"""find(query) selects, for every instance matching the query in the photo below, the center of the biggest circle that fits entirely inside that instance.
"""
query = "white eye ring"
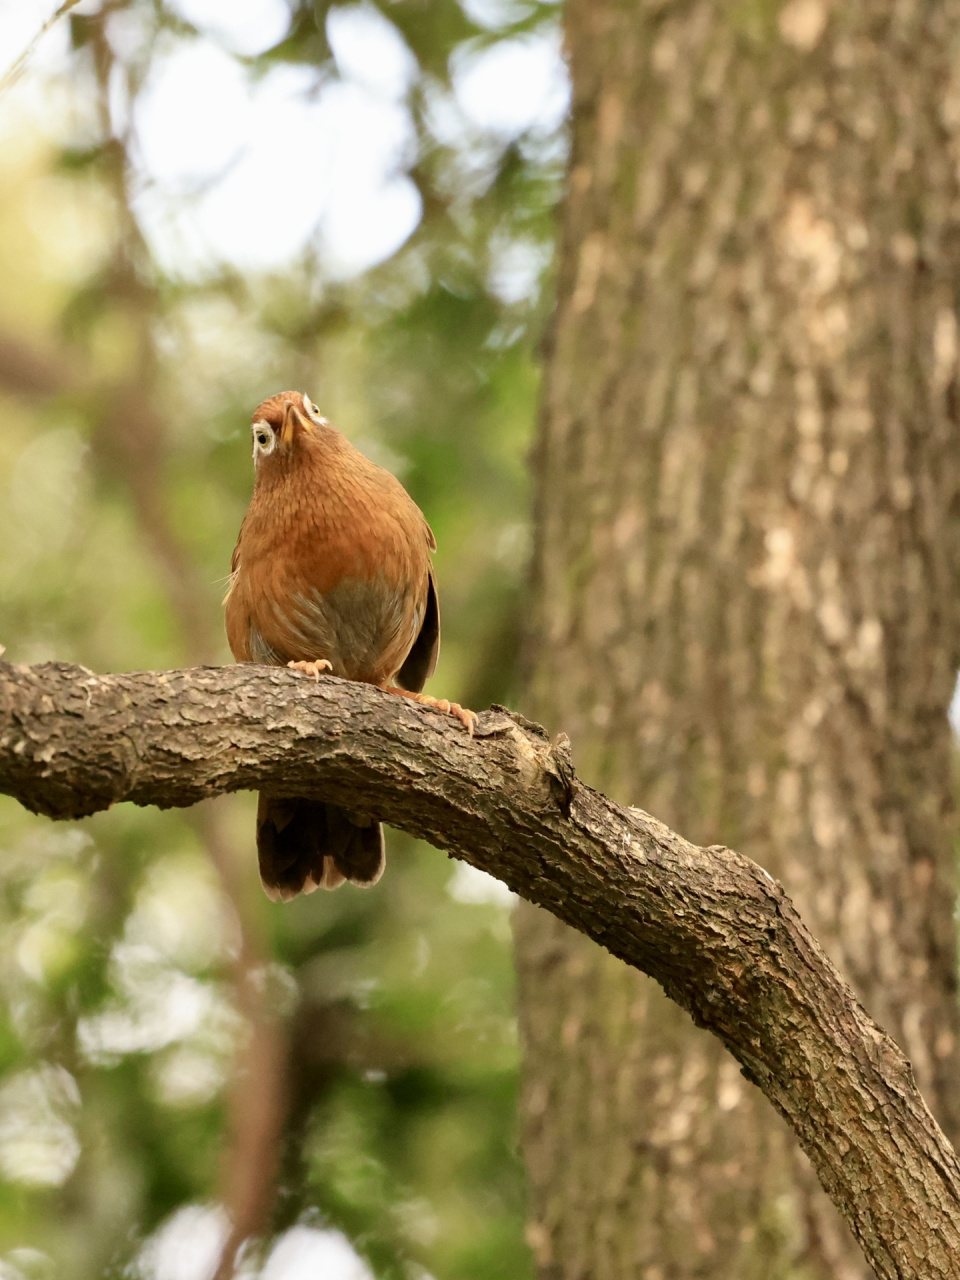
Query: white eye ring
(264, 439)
(313, 411)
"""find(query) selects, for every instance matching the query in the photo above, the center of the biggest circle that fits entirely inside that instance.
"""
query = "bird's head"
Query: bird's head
(280, 422)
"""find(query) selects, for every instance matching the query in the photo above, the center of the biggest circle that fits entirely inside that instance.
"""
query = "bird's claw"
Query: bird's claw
(466, 717)
(312, 668)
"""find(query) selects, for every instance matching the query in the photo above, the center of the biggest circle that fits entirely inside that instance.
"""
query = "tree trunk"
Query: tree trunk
(746, 571)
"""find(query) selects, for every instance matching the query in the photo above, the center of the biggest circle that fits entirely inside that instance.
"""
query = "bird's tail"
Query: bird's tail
(307, 844)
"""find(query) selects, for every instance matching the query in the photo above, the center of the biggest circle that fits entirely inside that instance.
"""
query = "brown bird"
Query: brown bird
(331, 572)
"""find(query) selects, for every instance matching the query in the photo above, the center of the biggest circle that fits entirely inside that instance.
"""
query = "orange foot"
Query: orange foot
(466, 717)
(312, 668)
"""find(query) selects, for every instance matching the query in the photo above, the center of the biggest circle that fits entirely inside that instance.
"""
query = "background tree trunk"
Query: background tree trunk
(746, 582)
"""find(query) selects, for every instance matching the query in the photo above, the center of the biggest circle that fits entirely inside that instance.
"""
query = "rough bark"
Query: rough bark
(747, 558)
(712, 927)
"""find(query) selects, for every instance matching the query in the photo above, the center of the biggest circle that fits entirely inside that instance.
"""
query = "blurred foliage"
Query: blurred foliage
(125, 394)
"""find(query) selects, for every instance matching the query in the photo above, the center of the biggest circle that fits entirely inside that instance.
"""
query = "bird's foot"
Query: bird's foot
(466, 717)
(312, 668)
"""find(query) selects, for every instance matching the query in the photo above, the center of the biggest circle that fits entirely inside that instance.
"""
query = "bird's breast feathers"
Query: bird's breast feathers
(327, 578)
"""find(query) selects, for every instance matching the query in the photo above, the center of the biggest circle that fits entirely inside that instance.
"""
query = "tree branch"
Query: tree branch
(710, 926)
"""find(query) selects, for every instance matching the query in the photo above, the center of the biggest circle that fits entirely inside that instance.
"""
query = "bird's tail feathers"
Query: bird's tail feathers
(305, 845)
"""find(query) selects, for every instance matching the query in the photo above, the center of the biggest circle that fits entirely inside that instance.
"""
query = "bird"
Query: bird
(331, 573)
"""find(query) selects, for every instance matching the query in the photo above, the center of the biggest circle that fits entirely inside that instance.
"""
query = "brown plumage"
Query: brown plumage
(331, 572)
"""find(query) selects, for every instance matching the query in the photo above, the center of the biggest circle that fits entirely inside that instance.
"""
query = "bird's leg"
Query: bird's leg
(466, 717)
(312, 668)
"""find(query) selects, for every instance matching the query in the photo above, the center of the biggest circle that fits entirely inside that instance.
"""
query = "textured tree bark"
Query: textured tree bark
(714, 929)
(747, 560)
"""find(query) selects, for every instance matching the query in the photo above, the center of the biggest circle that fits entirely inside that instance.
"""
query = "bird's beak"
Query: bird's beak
(291, 419)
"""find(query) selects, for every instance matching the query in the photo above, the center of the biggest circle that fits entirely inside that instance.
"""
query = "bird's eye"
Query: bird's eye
(312, 409)
(263, 439)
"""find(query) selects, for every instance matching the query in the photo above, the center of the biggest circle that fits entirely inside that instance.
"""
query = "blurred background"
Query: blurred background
(205, 203)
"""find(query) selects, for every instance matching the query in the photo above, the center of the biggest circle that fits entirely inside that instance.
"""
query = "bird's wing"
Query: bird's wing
(235, 558)
(234, 572)
(421, 662)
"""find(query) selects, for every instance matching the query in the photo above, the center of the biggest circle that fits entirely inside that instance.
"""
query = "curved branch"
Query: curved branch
(710, 926)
